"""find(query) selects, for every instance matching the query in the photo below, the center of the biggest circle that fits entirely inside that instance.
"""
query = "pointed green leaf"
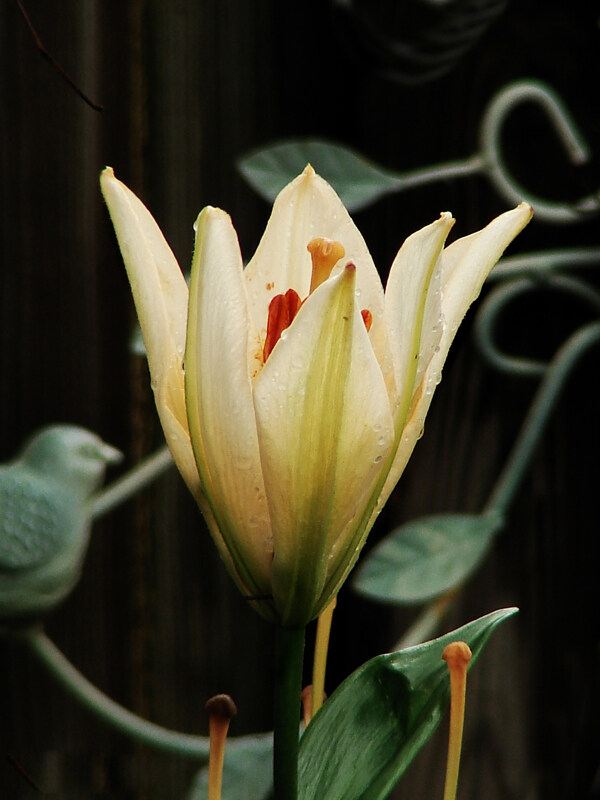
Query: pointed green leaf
(426, 557)
(247, 771)
(357, 181)
(365, 736)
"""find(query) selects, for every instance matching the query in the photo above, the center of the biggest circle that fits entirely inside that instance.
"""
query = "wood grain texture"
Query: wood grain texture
(187, 88)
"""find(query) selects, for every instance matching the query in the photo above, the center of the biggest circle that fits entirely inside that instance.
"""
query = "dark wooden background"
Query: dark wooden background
(187, 87)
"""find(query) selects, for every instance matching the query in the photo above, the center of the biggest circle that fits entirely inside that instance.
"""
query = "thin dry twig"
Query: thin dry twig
(45, 54)
(23, 773)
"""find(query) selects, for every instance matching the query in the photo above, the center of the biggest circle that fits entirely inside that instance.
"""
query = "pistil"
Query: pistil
(325, 253)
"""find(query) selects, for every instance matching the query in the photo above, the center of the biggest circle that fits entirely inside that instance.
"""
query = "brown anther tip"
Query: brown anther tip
(221, 705)
(457, 655)
(350, 267)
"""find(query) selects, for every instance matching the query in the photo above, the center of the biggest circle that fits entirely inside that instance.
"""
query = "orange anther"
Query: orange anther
(367, 318)
(282, 310)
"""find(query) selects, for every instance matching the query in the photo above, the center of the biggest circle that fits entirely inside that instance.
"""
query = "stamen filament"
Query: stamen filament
(320, 657)
(306, 699)
(457, 656)
(221, 709)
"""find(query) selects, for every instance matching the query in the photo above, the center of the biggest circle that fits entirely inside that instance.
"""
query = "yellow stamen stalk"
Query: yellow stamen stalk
(221, 709)
(320, 657)
(457, 656)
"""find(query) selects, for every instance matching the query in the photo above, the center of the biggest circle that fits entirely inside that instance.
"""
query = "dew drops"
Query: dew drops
(243, 462)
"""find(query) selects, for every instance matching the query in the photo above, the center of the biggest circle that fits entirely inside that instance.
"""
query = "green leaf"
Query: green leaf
(247, 771)
(368, 732)
(357, 181)
(426, 557)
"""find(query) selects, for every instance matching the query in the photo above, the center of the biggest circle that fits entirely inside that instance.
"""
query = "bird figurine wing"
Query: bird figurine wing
(34, 519)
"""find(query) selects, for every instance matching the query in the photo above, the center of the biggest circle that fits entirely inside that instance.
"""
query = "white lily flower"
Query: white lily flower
(305, 386)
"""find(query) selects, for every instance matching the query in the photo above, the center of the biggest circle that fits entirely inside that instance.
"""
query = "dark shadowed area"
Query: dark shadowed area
(187, 88)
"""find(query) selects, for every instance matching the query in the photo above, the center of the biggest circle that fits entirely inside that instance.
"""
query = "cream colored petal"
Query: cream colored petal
(219, 399)
(325, 430)
(305, 209)
(465, 266)
(161, 299)
(467, 262)
(413, 307)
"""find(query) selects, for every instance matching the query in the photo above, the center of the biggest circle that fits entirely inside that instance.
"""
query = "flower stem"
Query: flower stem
(98, 703)
(288, 685)
(132, 482)
(538, 415)
(320, 657)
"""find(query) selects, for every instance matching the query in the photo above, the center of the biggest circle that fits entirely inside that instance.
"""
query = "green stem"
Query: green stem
(535, 422)
(449, 170)
(288, 686)
(136, 479)
(102, 706)
(507, 485)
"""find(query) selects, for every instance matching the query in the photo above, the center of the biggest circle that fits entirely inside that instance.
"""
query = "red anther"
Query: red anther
(282, 310)
(367, 318)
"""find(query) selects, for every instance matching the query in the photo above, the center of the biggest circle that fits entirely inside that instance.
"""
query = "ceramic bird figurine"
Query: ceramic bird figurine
(45, 517)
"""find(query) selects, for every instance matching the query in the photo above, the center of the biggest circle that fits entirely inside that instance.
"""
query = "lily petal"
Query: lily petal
(413, 307)
(466, 264)
(325, 428)
(161, 299)
(307, 208)
(219, 399)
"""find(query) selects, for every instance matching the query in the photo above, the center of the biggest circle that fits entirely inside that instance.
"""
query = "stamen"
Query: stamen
(457, 656)
(308, 703)
(306, 699)
(367, 318)
(325, 254)
(282, 310)
(221, 709)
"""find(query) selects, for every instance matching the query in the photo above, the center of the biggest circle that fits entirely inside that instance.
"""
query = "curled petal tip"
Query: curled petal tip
(309, 171)
(525, 206)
